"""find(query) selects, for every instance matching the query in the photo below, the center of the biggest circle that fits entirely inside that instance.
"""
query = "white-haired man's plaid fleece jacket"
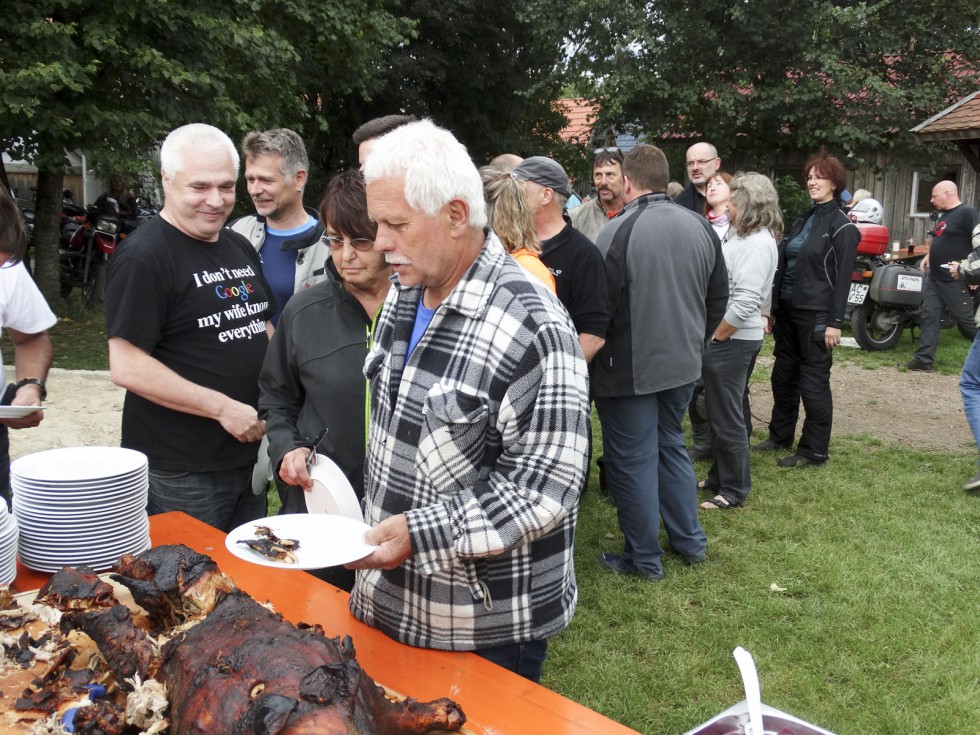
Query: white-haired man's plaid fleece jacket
(480, 439)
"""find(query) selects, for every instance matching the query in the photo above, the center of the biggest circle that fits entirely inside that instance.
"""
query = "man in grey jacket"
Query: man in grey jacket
(643, 377)
(607, 178)
(284, 233)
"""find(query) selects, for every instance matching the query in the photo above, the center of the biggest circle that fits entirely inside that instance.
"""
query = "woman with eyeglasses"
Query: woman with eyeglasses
(749, 247)
(809, 297)
(311, 378)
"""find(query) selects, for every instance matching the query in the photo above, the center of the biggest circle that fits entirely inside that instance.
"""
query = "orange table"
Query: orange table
(496, 701)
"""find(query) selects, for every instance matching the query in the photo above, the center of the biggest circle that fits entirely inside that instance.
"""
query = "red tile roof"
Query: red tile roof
(959, 122)
(581, 116)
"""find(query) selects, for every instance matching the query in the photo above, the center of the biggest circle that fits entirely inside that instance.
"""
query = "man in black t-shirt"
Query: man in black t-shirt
(187, 312)
(580, 275)
(950, 242)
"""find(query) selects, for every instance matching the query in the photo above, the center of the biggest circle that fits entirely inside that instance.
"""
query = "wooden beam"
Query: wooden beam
(967, 149)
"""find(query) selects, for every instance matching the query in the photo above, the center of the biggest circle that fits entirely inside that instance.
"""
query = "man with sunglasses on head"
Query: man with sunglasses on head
(702, 163)
(607, 178)
(284, 233)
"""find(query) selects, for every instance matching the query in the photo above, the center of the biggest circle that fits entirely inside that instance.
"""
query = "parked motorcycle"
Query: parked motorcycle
(85, 249)
(886, 285)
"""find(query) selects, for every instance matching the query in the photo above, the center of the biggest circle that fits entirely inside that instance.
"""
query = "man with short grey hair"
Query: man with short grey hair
(187, 316)
(668, 289)
(479, 416)
(285, 234)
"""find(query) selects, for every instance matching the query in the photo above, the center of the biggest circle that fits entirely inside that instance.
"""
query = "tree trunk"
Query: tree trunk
(47, 231)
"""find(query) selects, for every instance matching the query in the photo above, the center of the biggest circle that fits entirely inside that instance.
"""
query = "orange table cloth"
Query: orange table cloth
(496, 701)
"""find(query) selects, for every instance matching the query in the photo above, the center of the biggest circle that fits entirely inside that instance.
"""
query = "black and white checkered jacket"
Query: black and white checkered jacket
(481, 441)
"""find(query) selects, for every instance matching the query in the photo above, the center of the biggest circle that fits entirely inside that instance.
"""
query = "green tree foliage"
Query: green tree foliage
(485, 69)
(760, 76)
(114, 78)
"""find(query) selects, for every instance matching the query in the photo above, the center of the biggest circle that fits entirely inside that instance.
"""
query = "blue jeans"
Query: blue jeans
(223, 499)
(970, 389)
(525, 659)
(650, 476)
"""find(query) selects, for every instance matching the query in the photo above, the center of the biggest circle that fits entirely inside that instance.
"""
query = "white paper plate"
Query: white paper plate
(17, 412)
(325, 540)
(332, 492)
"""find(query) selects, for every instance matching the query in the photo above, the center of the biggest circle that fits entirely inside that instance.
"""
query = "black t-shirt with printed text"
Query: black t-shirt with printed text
(200, 309)
(952, 239)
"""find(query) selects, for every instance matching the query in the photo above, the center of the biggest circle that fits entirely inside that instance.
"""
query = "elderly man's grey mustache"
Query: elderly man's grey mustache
(396, 259)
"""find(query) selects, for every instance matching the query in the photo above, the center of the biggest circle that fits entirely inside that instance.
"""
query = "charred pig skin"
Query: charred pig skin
(244, 669)
(125, 647)
(76, 588)
(172, 583)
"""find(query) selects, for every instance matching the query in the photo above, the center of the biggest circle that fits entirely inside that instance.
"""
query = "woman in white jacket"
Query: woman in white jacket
(749, 247)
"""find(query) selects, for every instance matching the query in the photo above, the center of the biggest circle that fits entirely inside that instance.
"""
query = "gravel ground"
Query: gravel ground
(913, 409)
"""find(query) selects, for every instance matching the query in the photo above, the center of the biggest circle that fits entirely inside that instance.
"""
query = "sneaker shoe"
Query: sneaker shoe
(798, 460)
(919, 366)
(692, 560)
(616, 563)
(769, 445)
(972, 485)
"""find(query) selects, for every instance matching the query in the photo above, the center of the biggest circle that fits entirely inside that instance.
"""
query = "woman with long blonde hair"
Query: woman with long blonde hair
(511, 216)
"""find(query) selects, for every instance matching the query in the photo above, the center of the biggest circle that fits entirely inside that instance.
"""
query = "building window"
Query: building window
(922, 189)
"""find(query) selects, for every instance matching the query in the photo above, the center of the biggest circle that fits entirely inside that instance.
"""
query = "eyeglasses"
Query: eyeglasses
(361, 244)
(815, 177)
(692, 164)
(611, 149)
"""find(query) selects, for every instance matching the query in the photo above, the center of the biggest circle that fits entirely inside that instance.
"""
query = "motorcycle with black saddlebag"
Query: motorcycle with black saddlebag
(886, 285)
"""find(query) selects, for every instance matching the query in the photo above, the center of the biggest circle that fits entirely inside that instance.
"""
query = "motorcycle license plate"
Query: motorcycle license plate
(857, 293)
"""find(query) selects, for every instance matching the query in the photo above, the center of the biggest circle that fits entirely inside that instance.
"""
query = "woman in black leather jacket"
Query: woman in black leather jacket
(809, 298)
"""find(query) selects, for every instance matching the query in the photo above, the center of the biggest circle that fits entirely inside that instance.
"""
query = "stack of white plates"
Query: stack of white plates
(8, 546)
(80, 505)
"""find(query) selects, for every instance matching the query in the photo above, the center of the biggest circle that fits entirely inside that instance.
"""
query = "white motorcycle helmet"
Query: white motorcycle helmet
(867, 210)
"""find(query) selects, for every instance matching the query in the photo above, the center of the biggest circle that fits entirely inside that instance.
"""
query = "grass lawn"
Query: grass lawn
(856, 586)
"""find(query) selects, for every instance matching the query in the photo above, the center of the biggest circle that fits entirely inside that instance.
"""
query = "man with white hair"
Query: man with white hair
(479, 409)
(187, 312)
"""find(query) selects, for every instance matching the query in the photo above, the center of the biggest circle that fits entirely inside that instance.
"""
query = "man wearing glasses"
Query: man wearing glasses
(702, 164)
(607, 178)
(284, 233)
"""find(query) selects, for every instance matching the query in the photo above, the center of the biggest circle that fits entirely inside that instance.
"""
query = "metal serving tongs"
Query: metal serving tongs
(314, 445)
(753, 692)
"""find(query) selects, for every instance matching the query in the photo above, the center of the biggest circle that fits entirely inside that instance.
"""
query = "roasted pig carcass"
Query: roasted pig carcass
(232, 666)
(244, 669)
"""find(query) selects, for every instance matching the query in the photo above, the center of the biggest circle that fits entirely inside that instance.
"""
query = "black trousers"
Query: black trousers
(801, 372)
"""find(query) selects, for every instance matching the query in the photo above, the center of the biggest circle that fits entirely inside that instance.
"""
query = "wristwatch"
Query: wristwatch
(716, 341)
(33, 381)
